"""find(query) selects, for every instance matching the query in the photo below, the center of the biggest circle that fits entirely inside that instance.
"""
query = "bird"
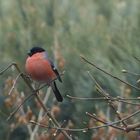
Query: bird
(40, 68)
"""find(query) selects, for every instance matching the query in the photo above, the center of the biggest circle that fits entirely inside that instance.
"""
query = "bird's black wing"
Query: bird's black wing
(56, 71)
(53, 67)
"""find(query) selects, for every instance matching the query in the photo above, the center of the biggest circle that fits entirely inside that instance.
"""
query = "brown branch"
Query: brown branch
(129, 128)
(115, 77)
(34, 92)
(101, 98)
(90, 128)
(98, 119)
(10, 65)
(118, 99)
(85, 98)
(14, 84)
(57, 132)
(17, 109)
(40, 114)
(132, 127)
(106, 95)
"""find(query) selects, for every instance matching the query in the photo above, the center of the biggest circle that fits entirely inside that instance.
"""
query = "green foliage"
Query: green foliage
(106, 32)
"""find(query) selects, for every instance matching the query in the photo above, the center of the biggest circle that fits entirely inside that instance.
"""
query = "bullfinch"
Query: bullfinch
(40, 68)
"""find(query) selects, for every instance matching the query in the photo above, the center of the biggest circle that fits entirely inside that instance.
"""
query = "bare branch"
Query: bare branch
(40, 114)
(90, 128)
(118, 99)
(10, 65)
(132, 127)
(97, 118)
(127, 129)
(115, 77)
(16, 110)
(106, 95)
(85, 98)
(34, 92)
(14, 84)
(101, 98)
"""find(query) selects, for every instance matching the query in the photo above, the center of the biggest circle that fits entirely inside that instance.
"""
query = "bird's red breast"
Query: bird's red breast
(39, 68)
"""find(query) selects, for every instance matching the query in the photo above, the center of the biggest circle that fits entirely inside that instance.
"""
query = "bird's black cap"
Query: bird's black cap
(35, 50)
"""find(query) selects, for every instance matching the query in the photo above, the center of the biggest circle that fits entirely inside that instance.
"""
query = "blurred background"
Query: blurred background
(105, 32)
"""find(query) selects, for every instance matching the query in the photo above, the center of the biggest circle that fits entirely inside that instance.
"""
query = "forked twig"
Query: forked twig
(14, 84)
(34, 92)
(40, 114)
(10, 65)
(91, 128)
(17, 109)
(102, 92)
(129, 128)
(101, 98)
(118, 99)
(115, 77)
(98, 119)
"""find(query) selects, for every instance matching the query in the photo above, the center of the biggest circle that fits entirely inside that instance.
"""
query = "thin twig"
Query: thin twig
(16, 110)
(118, 99)
(129, 128)
(98, 119)
(34, 92)
(28, 126)
(133, 127)
(14, 84)
(101, 98)
(89, 128)
(106, 95)
(40, 114)
(115, 77)
(10, 65)
(85, 98)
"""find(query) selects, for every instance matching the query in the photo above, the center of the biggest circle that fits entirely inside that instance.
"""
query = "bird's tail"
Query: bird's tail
(56, 92)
